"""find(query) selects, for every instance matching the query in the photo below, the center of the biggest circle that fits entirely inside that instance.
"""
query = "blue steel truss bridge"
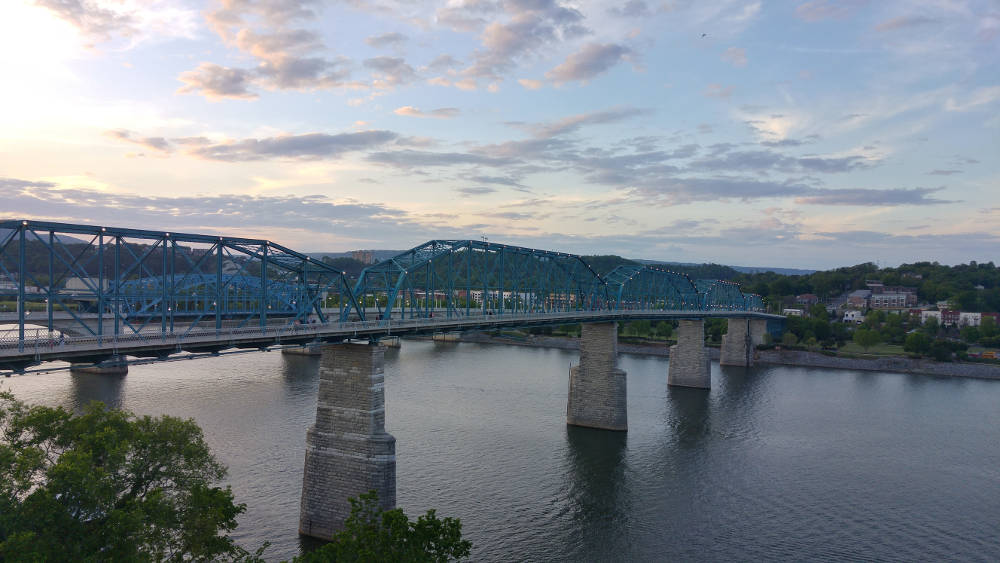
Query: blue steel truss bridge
(87, 294)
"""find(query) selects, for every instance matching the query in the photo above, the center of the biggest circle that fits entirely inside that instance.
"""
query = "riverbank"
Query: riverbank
(776, 357)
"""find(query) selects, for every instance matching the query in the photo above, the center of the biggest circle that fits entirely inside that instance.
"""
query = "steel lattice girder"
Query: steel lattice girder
(110, 280)
(463, 277)
(635, 286)
(721, 295)
(754, 302)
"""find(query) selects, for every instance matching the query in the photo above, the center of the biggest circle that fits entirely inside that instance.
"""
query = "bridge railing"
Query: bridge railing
(49, 343)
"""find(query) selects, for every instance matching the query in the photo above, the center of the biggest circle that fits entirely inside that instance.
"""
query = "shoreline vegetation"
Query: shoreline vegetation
(767, 355)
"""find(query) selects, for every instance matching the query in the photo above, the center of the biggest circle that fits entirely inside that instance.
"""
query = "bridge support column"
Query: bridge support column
(114, 366)
(597, 387)
(690, 365)
(758, 329)
(348, 451)
(737, 349)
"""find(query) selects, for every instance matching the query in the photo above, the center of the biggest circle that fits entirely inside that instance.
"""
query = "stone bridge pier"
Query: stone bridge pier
(741, 340)
(597, 396)
(348, 451)
(690, 365)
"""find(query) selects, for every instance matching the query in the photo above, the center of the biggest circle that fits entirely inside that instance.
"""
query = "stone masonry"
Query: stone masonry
(758, 329)
(736, 347)
(348, 451)
(690, 365)
(596, 396)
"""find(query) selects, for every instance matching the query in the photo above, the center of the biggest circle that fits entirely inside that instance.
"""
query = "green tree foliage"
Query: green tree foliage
(941, 351)
(866, 338)
(931, 326)
(371, 534)
(988, 327)
(109, 486)
(789, 339)
(917, 343)
(970, 334)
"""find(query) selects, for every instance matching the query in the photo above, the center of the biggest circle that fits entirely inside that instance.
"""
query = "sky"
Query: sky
(803, 134)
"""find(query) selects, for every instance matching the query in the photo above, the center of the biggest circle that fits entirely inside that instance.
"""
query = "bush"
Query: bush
(371, 534)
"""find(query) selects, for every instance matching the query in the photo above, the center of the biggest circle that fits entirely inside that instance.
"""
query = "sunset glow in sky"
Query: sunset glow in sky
(804, 134)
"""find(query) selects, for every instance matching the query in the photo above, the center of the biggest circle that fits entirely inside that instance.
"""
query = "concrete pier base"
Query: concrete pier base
(114, 366)
(737, 349)
(307, 350)
(690, 365)
(597, 397)
(348, 451)
(390, 342)
(447, 337)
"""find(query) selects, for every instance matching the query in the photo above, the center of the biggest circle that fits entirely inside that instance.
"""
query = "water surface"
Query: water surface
(772, 463)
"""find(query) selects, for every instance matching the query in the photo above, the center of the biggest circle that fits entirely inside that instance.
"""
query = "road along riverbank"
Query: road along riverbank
(777, 357)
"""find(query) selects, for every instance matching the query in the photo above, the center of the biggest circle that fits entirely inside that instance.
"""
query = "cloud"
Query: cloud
(630, 9)
(499, 180)
(226, 213)
(819, 10)
(903, 22)
(943, 172)
(590, 61)
(415, 159)
(310, 146)
(392, 39)
(530, 84)
(440, 113)
(91, 18)
(736, 56)
(978, 97)
(572, 123)
(217, 82)
(390, 71)
(677, 191)
(718, 91)
(304, 73)
(864, 197)
(511, 31)
(156, 143)
(475, 191)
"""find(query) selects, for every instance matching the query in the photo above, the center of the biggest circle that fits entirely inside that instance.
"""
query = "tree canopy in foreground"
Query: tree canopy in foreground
(371, 534)
(111, 486)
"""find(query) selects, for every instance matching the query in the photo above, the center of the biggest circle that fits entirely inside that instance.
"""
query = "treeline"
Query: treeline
(934, 282)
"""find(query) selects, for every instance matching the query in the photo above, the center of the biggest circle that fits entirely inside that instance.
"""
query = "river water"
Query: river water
(772, 463)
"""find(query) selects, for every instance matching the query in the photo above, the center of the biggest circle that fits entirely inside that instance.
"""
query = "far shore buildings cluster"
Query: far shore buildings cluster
(878, 296)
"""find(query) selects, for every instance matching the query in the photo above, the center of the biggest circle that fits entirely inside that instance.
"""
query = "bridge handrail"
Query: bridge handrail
(49, 343)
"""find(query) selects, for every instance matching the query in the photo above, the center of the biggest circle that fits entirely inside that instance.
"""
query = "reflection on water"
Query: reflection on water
(87, 387)
(771, 463)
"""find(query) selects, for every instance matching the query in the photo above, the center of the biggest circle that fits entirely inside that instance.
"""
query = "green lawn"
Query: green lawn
(880, 349)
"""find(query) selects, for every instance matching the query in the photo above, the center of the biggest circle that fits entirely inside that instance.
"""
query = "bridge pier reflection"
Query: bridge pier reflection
(690, 365)
(597, 397)
(348, 451)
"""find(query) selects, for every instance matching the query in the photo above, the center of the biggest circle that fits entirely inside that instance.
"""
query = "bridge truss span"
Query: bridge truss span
(466, 277)
(105, 281)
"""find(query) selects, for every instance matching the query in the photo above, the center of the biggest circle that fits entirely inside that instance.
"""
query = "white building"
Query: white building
(924, 315)
(853, 317)
(970, 319)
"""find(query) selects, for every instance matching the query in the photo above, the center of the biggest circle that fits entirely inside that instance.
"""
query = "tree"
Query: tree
(931, 326)
(866, 338)
(970, 334)
(988, 327)
(371, 534)
(109, 485)
(917, 343)
(789, 339)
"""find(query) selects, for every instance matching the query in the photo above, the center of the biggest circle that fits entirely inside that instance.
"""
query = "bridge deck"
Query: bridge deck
(15, 355)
